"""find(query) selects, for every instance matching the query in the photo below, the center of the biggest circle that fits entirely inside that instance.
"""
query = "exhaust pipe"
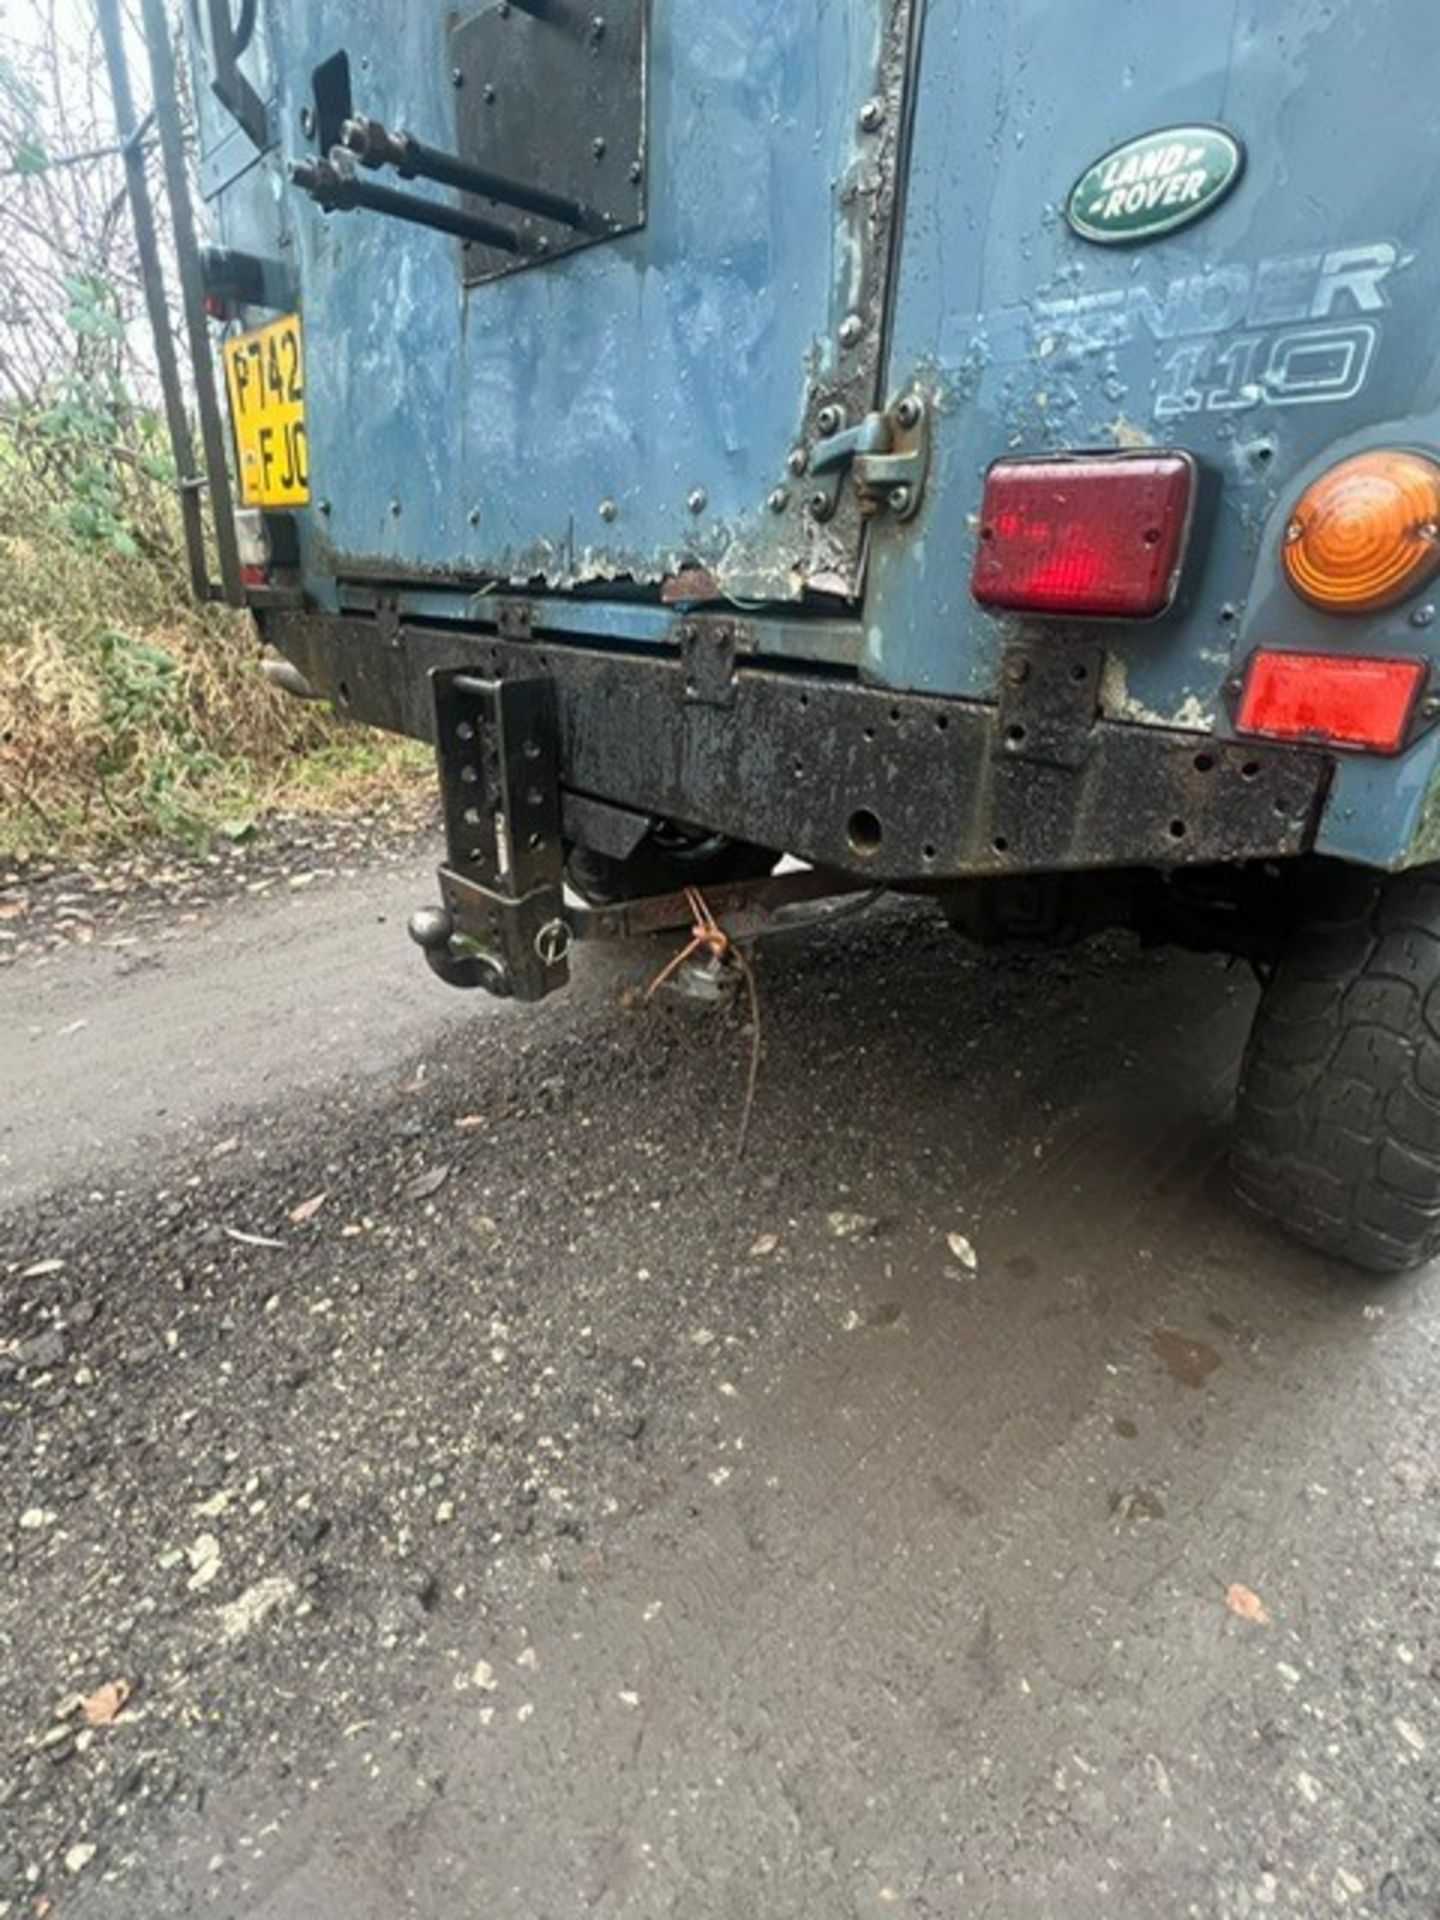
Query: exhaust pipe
(284, 674)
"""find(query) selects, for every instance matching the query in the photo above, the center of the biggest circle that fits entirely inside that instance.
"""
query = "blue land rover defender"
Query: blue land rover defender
(987, 448)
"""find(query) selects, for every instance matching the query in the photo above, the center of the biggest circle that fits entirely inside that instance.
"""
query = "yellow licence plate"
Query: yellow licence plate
(265, 372)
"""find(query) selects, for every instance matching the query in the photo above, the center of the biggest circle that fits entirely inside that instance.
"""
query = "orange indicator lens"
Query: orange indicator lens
(1367, 533)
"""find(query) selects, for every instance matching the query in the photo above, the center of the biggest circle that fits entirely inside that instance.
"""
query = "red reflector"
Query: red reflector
(1345, 700)
(252, 576)
(1093, 535)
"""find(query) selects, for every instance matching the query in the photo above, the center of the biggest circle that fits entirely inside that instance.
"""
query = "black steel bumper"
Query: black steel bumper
(895, 787)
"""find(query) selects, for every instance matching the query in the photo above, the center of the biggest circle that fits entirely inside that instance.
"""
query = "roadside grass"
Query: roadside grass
(127, 712)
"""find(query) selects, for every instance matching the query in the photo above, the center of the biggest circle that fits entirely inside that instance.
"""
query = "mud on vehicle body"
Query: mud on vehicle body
(981, 449)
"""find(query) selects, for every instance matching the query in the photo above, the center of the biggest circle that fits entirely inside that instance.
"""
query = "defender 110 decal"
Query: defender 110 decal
(1297, 329)
(1154, 184)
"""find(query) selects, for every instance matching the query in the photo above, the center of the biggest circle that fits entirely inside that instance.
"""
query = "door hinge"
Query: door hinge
(886, 454)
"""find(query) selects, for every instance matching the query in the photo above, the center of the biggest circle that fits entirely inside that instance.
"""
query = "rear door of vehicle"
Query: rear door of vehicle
(625, 410)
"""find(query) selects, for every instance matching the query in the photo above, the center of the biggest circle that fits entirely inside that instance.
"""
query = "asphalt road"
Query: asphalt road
(496, 1501)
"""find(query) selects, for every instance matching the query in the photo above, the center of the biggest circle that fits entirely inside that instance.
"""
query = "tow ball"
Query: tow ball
(460, 961)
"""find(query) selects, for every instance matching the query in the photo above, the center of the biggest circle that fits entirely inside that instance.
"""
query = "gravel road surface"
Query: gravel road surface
(437, 1479)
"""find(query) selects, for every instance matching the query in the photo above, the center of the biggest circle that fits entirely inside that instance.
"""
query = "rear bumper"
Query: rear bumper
(900, 787)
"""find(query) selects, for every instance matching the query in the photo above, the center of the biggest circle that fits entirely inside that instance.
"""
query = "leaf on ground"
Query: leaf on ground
(103, 1707)
(308, 1209)
(851, 1226)
(256, 1604)
(250, 1239)
(1247, 1605)
(41, 1268)
(766, 1244)
(1188, 1362)
(467, 1122)
(963, 1251)
(424, 1184)
(204, 1558)
(13, 909)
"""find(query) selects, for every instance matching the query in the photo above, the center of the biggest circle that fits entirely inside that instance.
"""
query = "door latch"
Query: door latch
(887, 454)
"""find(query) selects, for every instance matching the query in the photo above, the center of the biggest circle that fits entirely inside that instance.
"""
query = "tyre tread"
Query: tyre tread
(1338, 1124)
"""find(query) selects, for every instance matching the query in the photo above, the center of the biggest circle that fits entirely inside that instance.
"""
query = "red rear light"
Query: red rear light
(1345, 700)
(1095, 536)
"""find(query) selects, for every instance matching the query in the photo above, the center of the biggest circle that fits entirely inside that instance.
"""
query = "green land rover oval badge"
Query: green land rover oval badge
(1154, 184)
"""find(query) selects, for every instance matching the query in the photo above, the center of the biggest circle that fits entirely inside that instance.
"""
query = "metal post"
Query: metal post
(143, 214)
(192, 296)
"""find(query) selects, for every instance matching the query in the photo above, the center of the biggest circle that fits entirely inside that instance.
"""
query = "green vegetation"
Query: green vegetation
(125, 710)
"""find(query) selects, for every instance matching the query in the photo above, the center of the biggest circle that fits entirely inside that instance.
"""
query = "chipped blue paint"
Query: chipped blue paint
(465, 433)
(480, 430)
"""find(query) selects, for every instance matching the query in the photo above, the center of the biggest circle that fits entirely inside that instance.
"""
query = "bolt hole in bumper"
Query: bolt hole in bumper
(891, 788)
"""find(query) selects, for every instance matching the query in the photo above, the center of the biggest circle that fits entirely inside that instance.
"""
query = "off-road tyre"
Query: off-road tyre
(1338, 1123)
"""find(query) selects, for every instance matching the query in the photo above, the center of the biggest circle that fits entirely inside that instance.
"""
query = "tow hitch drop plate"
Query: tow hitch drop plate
(501, 924)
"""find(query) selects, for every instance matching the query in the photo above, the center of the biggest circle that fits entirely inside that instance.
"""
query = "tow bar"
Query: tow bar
(503, 923)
